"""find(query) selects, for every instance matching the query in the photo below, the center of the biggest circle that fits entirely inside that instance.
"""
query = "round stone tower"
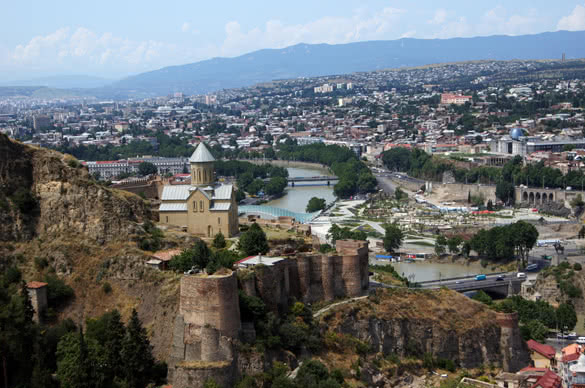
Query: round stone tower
(202, 170)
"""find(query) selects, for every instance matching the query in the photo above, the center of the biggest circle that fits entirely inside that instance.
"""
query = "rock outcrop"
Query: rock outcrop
(442, 323)
(44, 193)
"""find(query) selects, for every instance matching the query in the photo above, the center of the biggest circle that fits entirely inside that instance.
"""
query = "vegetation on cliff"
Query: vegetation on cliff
(45, 193)
(31, 353)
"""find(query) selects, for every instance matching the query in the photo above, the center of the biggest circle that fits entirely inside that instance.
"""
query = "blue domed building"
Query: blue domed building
(516, 133)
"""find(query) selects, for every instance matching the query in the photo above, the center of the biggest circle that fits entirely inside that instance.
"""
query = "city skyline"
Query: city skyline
(114, 40)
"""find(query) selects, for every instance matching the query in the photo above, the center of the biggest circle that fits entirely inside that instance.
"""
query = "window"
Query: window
(205, 175)
(167, 219)
(201, 206)
(194, 206)
(199, 175)
(218, 220)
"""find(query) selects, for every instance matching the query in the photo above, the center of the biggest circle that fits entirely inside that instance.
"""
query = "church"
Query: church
(203, 208)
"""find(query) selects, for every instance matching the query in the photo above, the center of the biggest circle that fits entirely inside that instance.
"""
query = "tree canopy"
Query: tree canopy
(393, 237)
(253, 241)
(315, 204)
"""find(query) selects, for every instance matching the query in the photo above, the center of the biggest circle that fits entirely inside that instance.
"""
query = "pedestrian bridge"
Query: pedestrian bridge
(270, 212)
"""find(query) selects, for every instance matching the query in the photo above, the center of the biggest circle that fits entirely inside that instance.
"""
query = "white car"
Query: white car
(521, 275)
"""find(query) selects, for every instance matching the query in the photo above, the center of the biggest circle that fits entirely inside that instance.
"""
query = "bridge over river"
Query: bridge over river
(312, 180)
(497, 284)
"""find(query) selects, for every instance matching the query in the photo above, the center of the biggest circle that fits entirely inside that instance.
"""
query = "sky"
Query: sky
(114, 39)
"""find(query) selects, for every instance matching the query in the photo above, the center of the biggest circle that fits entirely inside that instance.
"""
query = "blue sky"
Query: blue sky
(117, 38)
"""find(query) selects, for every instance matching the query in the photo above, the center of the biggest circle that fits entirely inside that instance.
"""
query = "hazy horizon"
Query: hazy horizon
(145, 36)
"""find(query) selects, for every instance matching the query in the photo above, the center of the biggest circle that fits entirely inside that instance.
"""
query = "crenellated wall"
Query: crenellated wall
(313, 277)
(209, 317)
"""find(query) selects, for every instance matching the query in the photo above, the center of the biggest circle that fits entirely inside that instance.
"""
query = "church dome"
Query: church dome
(516, 133)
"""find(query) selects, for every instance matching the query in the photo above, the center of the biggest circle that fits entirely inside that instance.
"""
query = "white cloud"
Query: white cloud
(495, 21)
(84, 50)
(575, 21)
(361, 25)
(186, 27)
(439, 18)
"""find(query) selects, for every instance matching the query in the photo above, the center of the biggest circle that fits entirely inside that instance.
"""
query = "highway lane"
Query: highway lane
(470, 282)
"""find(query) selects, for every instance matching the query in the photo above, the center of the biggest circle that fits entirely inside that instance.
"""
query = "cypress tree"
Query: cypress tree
(137, 354)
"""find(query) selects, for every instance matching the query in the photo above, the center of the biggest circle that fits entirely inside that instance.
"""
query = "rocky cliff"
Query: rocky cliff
(442, 323)
(44, 193)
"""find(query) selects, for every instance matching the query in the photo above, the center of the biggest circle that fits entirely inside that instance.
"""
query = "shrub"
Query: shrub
(577, 267)
(24, 200)
(41, 263)
(73, 163)
(58, 293)
(106, 288)
(219, 241)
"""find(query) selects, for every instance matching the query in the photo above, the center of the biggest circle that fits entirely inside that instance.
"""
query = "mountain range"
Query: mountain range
(309, 60)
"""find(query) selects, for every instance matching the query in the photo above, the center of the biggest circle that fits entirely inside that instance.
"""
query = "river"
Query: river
(296, 198)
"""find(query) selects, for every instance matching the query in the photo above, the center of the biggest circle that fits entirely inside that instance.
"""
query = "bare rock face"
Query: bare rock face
(442, 323)
(46, 194)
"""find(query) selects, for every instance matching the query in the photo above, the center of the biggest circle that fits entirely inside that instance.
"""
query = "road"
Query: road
(465, 283)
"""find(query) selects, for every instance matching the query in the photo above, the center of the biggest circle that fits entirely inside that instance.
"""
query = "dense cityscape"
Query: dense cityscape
(418, 226)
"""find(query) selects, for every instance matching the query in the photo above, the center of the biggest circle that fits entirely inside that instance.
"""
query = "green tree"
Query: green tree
(537, 330)
(81, 363)
(147, 168)
(399, 194)
(253, 241)
(315, 204)
(454, 243)
(440, 244)
(505, 192)
(256, 186)
(219, 241)
(393, 237)
(137, 354)
(482, 297)
(524, 237)
(109, 331)
(566, 317)
(276, 185)
(466, 248)
(197, 256)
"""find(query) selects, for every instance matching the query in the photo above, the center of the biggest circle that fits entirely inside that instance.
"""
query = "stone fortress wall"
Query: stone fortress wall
(311, 278)
(510, 341)
(209, 322)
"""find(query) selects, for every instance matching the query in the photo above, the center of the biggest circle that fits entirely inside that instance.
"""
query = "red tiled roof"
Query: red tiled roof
(549, 380)
(167, 255)
(571, 357)
(35, 284)
(532, 369)
(546, 350)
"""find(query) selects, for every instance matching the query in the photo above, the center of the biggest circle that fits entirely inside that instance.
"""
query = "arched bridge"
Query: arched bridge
(275, 212)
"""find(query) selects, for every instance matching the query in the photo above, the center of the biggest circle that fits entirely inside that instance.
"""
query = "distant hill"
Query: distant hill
(63, 82)
(306, 60)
